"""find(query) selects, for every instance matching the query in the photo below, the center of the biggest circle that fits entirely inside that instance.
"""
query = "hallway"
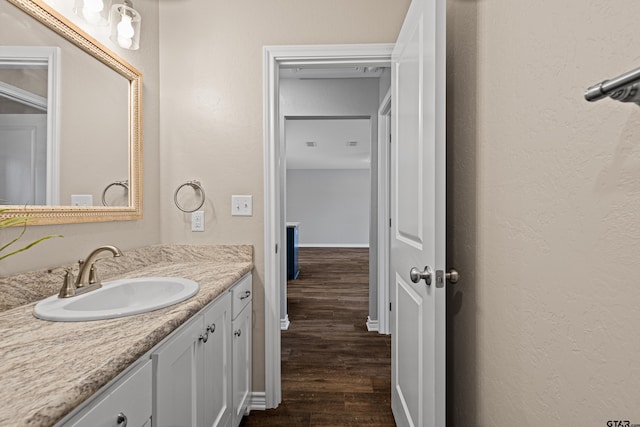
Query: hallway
(334, 372)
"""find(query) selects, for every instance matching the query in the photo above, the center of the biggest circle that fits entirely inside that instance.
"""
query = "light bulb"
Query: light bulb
(125, 29)
(91, 11)
(125, 25)
(93, 5)
(125, 42)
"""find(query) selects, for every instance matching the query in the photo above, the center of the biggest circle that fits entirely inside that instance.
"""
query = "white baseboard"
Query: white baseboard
(284, 323)
(333, 245)
(258, 401)
(372, 325)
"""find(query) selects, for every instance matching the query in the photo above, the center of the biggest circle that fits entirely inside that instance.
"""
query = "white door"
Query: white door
(23, 159)
(418, 217)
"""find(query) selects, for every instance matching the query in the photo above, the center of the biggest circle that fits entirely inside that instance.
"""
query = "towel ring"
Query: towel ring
(124, 184)
(195, 184)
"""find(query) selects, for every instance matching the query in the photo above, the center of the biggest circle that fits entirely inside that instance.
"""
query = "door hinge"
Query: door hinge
(276, 248)
(389, 222)
(389, 306)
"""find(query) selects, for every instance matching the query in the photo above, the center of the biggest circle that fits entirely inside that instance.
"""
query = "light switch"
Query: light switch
(242, 205)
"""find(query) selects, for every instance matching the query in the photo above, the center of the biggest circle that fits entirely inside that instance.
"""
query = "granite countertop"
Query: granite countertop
(49, 368)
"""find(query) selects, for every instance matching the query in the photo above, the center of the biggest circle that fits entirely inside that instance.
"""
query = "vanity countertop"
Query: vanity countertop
(49, 368)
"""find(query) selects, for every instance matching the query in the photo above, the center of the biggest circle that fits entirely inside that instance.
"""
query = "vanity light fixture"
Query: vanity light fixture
(95, 12)
(125, 25)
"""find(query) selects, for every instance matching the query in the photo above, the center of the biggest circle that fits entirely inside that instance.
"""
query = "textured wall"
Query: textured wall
(80, 239)
(212, 118)
(544, 214)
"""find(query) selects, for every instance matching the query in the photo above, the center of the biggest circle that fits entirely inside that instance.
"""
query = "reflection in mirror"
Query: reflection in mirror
(116, 193)
(28, 125)
(86, 111)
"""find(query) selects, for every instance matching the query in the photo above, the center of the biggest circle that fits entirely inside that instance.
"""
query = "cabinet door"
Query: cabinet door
(130, 397)
(175, 364)
(241, 363)
(215, 390)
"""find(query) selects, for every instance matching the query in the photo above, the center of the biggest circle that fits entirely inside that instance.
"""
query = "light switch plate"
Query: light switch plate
(81, 200)
(242, 205)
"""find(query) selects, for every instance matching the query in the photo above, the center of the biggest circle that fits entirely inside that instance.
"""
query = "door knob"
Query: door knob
(452, 276)
(417, 275)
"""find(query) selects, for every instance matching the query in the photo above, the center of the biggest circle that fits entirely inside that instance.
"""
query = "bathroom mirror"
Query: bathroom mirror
(94, 120)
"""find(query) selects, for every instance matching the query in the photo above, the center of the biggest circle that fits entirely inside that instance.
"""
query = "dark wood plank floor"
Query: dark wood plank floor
(334, 372)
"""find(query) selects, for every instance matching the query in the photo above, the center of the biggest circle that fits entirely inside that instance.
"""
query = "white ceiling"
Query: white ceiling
(333, 140)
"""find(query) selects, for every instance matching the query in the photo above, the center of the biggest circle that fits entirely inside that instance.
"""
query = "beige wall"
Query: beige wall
(212, 116)
(544, 214)
(544, 200)
(80, 239)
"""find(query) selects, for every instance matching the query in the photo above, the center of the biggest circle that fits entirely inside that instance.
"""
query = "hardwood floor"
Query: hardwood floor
(334, 372)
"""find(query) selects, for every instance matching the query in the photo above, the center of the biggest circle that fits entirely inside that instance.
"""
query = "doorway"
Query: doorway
(275, 60)
(327, 173)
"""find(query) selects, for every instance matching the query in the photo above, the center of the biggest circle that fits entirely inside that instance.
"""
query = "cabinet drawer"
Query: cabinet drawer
(130, 396)
(241, 295)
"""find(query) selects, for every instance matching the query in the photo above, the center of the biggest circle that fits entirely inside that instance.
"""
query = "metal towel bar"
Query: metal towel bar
(195, 184)
(124, 184)
(623, 88)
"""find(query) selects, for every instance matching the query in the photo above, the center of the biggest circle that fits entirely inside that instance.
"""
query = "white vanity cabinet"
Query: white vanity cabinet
(241, 309)
(125, 403)
(199, 376)
(192, 371)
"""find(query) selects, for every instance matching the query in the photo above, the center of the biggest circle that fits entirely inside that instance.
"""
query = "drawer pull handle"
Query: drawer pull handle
(122, 419)
(238, 332)
(246, 295)
(204, 338)
(211, 328)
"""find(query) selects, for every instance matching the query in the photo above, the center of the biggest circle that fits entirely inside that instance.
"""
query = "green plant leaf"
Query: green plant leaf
(29, 245)
(24, 229)
(9, 222)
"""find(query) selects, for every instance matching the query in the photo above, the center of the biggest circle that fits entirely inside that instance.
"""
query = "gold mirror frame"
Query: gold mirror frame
(80, 214)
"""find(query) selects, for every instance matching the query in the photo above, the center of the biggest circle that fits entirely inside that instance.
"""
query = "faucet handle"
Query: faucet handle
(93, 275)
(80, 265)
(68, 285)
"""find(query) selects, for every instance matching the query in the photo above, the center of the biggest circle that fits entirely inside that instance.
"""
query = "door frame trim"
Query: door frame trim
(273, 57)
(384, 217)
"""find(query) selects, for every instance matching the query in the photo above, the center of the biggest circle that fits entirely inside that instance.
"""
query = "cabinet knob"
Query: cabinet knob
(204, 338)
(238, 332)
(122, 419)
(211, 328)
(246, 295)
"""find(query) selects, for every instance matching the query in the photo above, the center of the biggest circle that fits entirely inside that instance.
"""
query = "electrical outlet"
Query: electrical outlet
(242, 205)
(81, 200)
(197, 221)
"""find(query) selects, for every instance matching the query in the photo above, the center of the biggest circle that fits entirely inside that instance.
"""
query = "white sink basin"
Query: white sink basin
(118, 298)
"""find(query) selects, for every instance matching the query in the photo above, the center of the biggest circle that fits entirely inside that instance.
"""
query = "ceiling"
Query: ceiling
(328, 143)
